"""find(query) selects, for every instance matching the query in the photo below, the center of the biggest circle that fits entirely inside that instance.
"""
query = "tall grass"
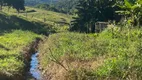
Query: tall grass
(111, 54)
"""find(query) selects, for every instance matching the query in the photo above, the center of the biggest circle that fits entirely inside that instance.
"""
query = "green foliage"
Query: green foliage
(62, 44)
(122, 54)
(91, 11)
(66, 6)
(121, 57)
(17, 32)
(39, 21)
(62, 6)
(17, 4)
(131, 10)
(43, 6)
(47, 7)
(9, 22)
(81, 74)
(36, 2)
(11, 51)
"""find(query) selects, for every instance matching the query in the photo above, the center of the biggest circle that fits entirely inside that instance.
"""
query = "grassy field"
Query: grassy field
(12, 47)
(110, 55)
(16, 37)
(57, 21)
(39, 14)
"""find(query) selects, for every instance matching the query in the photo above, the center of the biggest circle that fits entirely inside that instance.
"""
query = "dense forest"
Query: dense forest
(70, 39)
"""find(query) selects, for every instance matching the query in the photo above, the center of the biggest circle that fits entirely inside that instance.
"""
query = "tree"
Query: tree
(91, 11)
(131, 9)
(66, 6)
(8, 3)
(17, 4)
(1, 4)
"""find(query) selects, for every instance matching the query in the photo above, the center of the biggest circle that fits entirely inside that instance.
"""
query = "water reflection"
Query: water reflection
(34, 67)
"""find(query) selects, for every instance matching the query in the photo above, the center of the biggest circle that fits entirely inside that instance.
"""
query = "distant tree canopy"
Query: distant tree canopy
(66, 6)
(91, 11)
(36, 2)
(17, 4)
(62, 6)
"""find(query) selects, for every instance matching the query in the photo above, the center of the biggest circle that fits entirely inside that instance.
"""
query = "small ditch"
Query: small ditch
(34, 71)
(30, 70)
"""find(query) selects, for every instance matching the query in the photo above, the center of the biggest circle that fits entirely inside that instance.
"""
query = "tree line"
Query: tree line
(62, 6)
(36, 2)
(16, 4)
(91, 11)
(66, 6)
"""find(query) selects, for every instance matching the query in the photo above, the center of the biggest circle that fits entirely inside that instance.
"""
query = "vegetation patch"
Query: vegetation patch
(111, 54)
(18, 35)
(12, 56)
(37, 20)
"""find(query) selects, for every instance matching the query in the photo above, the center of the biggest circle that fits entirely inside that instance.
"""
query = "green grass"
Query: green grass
(108, 55)
(72, 44)
(10, 22)
(50, 18)
(40, 14)
(11, 51)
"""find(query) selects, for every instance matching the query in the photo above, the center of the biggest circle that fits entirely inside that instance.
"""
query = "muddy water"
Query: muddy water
(34, 71)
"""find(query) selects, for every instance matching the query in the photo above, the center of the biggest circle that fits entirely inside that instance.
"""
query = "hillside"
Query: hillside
(62, 6)
(48, 19)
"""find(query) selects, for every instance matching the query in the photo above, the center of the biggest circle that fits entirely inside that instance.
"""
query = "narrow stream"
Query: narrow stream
(34, 71)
